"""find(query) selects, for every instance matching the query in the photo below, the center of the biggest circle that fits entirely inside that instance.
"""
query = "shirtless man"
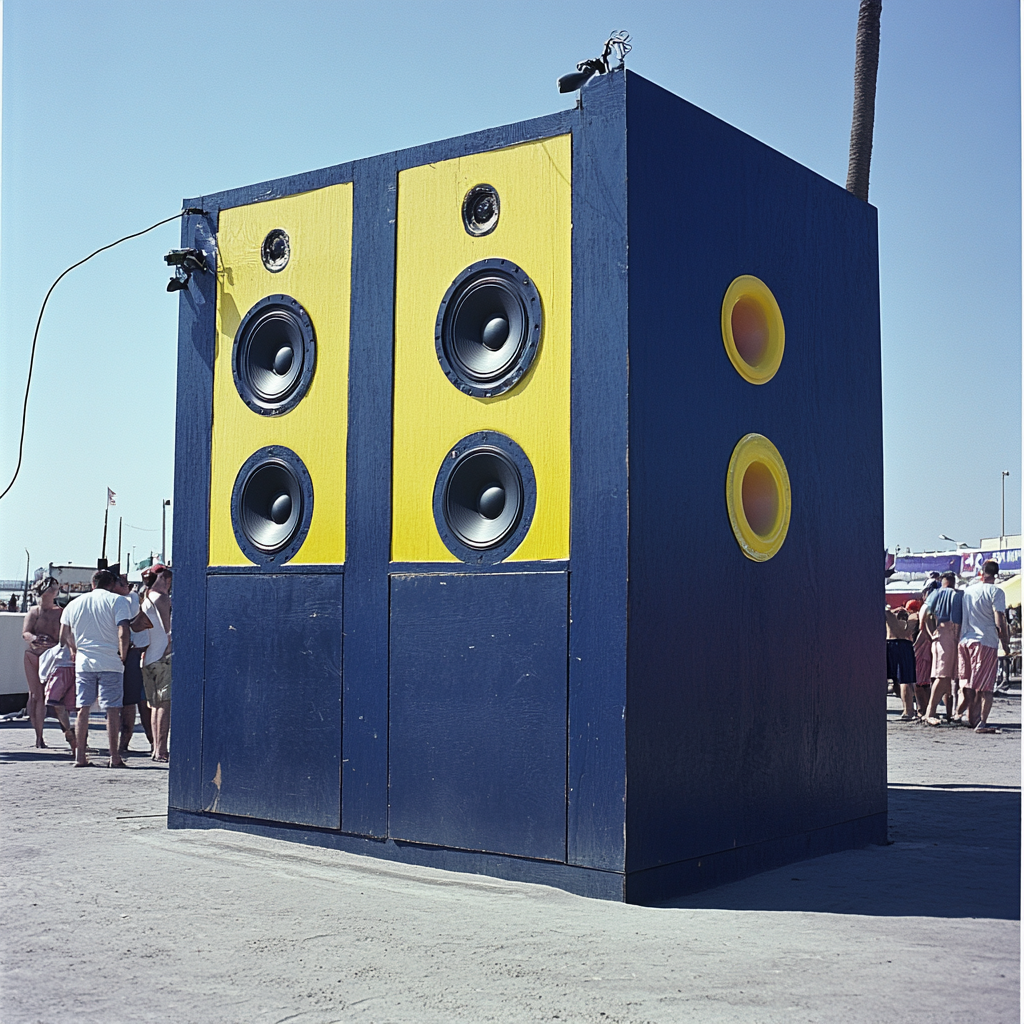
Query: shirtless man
(40, 631)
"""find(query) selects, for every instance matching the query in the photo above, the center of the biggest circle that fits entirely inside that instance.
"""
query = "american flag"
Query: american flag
(110, 497)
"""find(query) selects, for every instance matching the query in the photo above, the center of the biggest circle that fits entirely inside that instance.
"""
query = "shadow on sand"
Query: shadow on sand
(955, 852)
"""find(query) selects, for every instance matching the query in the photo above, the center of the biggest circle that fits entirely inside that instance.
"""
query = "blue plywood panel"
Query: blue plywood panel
(478, 711)
(191, 512)
(272, 701)
(600, 506)
(754, 705)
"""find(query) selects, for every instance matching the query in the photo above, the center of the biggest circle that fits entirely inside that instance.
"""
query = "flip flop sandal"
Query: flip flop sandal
(78, 764)
(110, 764)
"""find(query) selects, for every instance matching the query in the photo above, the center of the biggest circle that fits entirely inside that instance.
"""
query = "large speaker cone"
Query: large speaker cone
(272, 504)
(488, 328)
(274, 355)
(484, 497)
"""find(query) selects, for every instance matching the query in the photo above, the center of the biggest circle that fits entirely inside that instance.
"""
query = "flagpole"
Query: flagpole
(103, 557)
(120, 520)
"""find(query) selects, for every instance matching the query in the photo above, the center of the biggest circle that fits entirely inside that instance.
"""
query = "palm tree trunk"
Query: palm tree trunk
(864, 76)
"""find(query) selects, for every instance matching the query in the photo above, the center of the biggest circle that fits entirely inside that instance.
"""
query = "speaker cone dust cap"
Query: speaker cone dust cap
(485, 495)
(272, 505)
(488, 328)
(274, 355)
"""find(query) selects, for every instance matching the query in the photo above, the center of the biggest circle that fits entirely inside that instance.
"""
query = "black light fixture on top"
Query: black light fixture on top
(585, 70)
(185, 262)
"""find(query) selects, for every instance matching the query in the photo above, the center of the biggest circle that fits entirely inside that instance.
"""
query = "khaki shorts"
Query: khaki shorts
(157, 680)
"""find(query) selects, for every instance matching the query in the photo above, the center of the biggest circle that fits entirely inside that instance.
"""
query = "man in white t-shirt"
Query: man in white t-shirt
(96, 629)
(984, 626)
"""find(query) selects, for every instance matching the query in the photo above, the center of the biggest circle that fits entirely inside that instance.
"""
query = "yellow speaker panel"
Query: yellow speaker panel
(526, 224)
(287, 254)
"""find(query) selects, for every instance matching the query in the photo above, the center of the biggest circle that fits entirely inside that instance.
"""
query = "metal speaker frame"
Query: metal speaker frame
(481, 210)
(274, 355)
(485, 495)
(272, 505)
(276, 250)
(488, 328)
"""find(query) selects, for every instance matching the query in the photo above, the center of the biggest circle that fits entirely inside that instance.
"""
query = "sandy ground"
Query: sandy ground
(109, 917)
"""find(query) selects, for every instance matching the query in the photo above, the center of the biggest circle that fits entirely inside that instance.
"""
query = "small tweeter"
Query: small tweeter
(274, 355)
(758, 497)
(752, 329)
(276, 250)
(484, 498)
(480, 210)
(488, 328)
(272, 505)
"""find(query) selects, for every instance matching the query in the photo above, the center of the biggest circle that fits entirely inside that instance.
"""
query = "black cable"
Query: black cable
(35, 335)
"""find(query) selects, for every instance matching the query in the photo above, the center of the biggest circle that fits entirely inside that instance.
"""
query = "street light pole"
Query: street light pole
(163, 530)
(1002, 521)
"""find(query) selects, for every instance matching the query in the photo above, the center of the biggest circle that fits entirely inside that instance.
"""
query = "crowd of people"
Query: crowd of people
(109, 648)
(945, 649)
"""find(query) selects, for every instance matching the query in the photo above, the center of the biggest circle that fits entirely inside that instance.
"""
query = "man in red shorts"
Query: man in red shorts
(984, 626)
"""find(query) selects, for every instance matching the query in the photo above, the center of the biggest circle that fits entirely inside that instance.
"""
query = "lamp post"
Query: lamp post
(163, 530)
(1002, 519)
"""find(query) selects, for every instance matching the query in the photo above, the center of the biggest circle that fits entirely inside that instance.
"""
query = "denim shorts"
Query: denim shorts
(110, 686)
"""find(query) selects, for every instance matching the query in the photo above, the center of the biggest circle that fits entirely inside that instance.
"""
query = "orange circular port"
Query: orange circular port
(758, 497)
(752, 329)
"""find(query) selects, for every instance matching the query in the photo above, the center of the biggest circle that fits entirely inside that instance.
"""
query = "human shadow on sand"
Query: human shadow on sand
(953, 853)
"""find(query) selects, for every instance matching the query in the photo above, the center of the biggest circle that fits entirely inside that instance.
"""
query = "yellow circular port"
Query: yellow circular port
(752, 329)
(758, 497)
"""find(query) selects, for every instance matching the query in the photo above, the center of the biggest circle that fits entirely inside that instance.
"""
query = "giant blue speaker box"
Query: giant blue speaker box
(529, 506)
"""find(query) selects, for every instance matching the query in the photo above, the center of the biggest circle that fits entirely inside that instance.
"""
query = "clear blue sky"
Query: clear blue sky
(112, 112)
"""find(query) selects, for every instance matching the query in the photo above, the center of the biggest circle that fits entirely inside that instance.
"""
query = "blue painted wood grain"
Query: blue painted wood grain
(368, 492)
(597, 637)
(754, 708)
(272, 737)
(478, 712)
(191, 511)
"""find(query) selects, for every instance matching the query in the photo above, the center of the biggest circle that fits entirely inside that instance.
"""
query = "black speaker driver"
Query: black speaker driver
(484, 498)
(274, 355)
(488, 328)
(480, 210)
(272, 505)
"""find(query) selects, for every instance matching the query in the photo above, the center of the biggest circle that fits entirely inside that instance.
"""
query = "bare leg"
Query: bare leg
(146, 717)
(907, 696)
(36, 698)
(82, 736)
(921, 696)
(161, 727)
(114, 735)
(940, 689)
(983, 705)
(970, 703)
(61, 713)
(127, 725)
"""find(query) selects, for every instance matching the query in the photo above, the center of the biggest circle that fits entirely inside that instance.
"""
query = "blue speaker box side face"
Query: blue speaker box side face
(754, 687)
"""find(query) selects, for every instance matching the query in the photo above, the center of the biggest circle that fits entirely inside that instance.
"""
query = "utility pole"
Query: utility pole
(163, 530)
(1002, 520)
